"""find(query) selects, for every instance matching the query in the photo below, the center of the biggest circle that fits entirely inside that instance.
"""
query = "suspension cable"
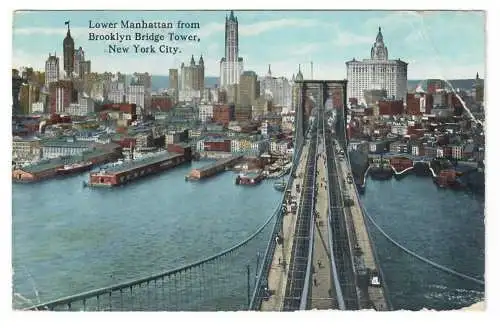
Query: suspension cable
(421, 258)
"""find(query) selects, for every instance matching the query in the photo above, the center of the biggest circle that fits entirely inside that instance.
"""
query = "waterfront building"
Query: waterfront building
(69, 53)
(377, 73)
(258, 147)
(51, 69)
(231, 65)
(69, 147)
(25, 149)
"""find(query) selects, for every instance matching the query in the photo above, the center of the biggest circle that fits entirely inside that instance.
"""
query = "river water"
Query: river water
(69, 239)
(442, 225)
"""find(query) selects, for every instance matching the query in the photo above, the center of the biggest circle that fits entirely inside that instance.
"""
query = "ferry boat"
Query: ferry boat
(74, 168)
(381, 170)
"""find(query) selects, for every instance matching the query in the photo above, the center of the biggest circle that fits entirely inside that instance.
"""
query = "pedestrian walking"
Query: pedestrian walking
(315, 282)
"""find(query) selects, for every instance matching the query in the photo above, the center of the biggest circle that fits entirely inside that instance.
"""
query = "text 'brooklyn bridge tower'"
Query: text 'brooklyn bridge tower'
(231, 66)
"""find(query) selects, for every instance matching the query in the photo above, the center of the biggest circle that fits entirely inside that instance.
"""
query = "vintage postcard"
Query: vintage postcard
(247, 161)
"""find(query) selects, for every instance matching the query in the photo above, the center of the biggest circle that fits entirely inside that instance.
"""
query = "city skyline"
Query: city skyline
(427, 41)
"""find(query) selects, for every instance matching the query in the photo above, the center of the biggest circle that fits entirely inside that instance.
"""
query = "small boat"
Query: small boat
(74, 168)
(280, 185)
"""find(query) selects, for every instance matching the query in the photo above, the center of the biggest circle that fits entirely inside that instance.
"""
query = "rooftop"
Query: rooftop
(138, 163)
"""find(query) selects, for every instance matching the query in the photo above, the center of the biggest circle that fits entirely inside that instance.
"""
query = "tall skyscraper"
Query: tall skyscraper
(84, 68)
(69, 53)
(231, 66)
(173, 79)
(193, 76)
(51, 69)
(78, 58)
(248, 88)
(377, 73)
(145, 80)
(276, 89)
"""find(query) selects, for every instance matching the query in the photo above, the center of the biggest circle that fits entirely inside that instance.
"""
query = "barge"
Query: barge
(212, 169)
(250, 178)
(132, 170)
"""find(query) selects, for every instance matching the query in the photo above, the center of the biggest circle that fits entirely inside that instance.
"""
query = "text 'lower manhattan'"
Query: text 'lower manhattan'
(144, 25)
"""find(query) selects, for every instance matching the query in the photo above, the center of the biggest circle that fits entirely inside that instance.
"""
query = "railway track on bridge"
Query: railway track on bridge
(299, 274)
(340, 235)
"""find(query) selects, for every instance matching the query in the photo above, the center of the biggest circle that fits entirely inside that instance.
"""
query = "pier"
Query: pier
(212, 169)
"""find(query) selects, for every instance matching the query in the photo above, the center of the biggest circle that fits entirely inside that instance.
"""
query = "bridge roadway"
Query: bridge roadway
(371, 297)
(278, 273)
(322, 295)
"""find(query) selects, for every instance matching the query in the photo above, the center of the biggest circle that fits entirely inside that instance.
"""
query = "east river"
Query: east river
(68, 239)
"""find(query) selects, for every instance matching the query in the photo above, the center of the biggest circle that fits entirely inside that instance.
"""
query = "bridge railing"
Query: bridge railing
(261, 281)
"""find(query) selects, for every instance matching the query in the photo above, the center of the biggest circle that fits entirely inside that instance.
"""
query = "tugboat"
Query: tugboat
(74, 168)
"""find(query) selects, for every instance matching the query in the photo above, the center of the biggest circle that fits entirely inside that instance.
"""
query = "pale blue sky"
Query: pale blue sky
(435, 44)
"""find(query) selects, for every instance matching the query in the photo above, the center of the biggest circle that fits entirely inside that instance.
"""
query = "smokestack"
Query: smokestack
(312, 75)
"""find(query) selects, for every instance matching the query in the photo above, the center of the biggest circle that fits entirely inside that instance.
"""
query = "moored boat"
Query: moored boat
(280, 185)
(74, 168)
(250, 178)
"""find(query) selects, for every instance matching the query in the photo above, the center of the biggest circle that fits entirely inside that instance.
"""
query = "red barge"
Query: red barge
(136, 169)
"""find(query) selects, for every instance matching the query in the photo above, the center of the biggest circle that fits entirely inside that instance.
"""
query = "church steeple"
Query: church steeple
(269, 70)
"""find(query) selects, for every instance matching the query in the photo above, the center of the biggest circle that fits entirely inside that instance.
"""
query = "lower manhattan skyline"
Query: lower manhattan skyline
(237, 160)
(427, 41)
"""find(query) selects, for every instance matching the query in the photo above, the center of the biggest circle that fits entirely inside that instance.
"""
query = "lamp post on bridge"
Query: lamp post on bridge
(248, 284)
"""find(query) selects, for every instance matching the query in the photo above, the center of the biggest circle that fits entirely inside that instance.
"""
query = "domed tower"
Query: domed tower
(379, 50)
(69, 53)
